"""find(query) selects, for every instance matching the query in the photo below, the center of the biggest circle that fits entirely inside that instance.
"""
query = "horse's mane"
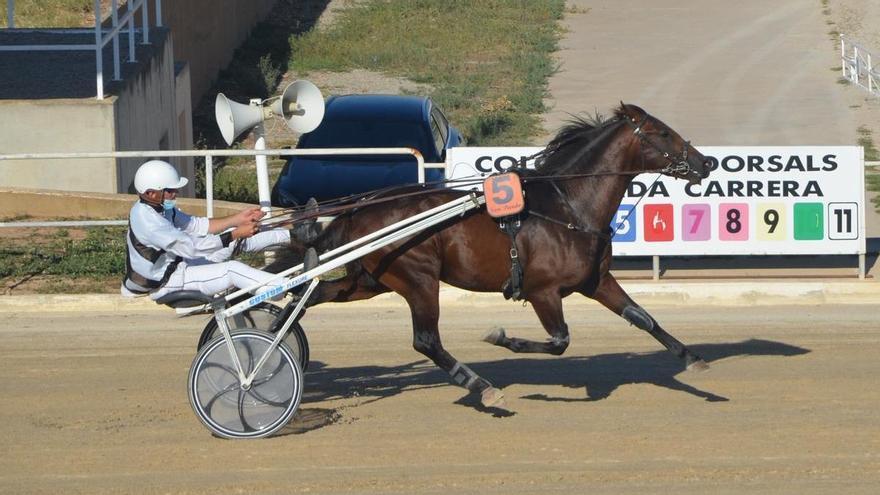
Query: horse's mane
(579, 133)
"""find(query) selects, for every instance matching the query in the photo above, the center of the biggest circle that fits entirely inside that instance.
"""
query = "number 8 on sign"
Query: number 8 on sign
(733, 221)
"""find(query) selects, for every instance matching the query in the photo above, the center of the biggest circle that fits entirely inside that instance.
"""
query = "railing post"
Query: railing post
(856, 69)
(209, 186)
(99, 57)
(158, 13)
(114, 15)
(870, 74)
(131, 50)
(10, 13)
(145, 23)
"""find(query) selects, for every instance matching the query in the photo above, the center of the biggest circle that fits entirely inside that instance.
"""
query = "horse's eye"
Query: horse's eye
(664, 134)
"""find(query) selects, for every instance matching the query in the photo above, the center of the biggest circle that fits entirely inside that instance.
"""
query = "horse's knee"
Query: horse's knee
(637, 316)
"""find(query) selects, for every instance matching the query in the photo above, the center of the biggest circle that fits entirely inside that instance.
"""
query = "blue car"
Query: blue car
(366, 121)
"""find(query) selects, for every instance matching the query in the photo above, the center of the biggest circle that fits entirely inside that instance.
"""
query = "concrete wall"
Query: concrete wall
(43, 204)
(58, 126)
(149, 111)
(207, 32)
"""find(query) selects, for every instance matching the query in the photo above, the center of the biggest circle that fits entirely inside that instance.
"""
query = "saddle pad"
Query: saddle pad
(504, 195)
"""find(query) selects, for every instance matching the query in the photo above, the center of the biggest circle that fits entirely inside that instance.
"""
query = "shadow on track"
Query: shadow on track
(599, 375)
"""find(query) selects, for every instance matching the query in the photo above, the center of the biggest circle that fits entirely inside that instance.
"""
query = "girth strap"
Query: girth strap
(512, 288)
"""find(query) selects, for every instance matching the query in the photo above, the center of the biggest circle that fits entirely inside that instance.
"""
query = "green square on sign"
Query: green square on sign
(809, 221)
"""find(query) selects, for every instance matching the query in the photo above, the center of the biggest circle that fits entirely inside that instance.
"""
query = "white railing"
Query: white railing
(857, 66)
(102, 36)
(209, 155)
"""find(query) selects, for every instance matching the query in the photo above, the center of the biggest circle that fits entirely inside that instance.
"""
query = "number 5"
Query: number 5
(502, 193)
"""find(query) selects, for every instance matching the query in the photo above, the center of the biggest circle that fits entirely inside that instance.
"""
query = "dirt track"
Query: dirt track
(96, 403)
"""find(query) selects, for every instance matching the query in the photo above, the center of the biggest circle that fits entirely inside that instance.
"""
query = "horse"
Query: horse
(563, 245)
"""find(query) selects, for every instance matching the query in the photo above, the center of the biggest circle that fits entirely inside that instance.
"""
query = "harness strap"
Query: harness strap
(134, 281)
(605, 234)
(512, 288)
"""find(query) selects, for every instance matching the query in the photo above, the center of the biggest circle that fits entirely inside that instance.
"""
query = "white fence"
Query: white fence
(102, 36)
(858, 66)
(209, 155)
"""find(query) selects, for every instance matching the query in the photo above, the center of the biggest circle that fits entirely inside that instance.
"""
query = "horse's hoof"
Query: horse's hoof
(492, 397)
(698, 365)
(494, 336)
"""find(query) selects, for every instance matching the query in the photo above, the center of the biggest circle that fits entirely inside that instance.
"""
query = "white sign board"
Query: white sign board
(757, 200)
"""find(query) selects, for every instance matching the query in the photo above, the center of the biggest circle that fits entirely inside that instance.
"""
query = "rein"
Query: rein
(675, 165)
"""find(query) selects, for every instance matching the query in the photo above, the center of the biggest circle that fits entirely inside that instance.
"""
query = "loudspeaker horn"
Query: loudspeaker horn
(233, 118)
(301, 105)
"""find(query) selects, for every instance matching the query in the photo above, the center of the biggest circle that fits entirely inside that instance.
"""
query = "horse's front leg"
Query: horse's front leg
(425, 308)
(612, 296)
(548, 307)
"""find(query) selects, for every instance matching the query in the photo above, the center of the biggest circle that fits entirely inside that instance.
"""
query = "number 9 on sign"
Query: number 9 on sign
(771, 221)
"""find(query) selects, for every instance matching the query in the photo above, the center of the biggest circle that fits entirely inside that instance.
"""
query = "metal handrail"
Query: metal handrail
(209, 169)
(102, 36)
(857, 66)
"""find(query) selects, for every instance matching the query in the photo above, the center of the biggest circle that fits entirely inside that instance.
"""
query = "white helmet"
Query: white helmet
(157, 175)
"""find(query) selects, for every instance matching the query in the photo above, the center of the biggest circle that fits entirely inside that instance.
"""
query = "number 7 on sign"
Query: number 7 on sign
(696, 222)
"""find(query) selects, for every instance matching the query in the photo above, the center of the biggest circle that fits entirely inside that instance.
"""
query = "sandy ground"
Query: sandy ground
(722, 73)
(96, 403)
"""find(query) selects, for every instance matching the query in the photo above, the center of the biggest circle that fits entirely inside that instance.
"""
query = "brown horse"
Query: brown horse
(563, 245)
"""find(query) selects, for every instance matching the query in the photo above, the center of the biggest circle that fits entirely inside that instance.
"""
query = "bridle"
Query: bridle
(676, 164)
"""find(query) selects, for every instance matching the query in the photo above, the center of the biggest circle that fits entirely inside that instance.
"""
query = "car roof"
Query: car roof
(382, 107)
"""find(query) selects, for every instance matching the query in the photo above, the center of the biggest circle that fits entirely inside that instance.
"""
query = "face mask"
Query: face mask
(169, 204)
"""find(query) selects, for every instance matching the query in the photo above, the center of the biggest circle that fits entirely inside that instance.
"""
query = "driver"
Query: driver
(168, 250)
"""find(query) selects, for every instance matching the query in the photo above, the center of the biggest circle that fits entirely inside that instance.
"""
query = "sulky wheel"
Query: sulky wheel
(231, 410)
(262, 317)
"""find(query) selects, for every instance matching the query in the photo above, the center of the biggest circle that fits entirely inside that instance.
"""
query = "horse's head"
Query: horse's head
(663, 149)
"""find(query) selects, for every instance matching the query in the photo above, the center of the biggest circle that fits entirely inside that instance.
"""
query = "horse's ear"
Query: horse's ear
(621, 111)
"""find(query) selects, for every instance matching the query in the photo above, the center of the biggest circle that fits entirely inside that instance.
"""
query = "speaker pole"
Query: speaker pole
(262, 171)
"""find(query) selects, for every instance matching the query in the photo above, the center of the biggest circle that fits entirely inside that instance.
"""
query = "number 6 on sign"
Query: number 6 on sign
(504, 195)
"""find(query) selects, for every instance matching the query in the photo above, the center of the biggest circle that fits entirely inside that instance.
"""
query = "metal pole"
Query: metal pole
(114, 15)
(655, 262)
(158, 13)
(10, 13)
(862, 266)
(99, 57)
(145, 22)
(131, 51)
(262, 171)
(842, 55)
(856, 61)
(209, 185)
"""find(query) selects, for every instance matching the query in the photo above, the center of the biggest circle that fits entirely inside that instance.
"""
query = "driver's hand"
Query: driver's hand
(249, 215)
(245, 230)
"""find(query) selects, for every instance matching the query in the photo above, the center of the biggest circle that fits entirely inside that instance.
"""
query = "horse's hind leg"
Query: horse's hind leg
(548, 307)
(425, 308)
(612, 296)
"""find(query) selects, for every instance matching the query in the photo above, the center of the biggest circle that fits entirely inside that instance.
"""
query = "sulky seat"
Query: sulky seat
(184, 299)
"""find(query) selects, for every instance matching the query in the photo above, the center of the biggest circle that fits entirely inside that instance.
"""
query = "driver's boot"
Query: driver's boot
(306, 231)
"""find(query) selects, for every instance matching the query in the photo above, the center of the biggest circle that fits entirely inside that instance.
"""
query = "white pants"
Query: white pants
(209, 277)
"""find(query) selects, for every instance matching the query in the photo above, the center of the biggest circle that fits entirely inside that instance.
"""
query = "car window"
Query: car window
(440, 128)
(365, 134)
